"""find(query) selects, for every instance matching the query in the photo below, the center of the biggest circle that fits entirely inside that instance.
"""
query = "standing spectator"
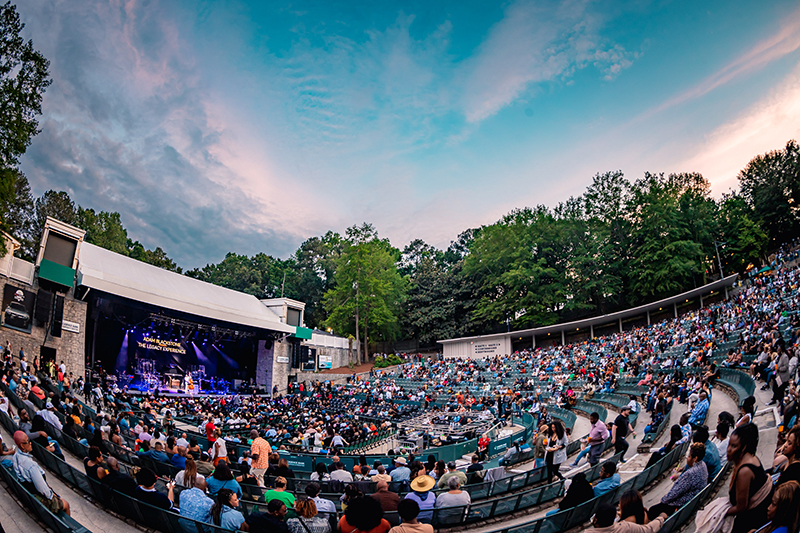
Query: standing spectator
(556, 450)
(597, 438)
(539, 447)
(259, 451)
(620, 430)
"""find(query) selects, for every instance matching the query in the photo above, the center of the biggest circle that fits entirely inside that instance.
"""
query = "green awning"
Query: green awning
(56, 273)
(765, 269)
(303, 333)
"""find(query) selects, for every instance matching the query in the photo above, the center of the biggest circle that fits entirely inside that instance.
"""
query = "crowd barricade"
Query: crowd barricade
(60, 523)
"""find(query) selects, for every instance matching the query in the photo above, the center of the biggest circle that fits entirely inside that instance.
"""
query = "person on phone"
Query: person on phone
(146, 491)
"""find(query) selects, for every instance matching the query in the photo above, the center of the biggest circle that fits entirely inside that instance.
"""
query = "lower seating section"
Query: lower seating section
(60, 523)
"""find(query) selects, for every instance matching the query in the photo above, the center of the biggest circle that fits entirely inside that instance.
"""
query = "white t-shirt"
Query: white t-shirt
(218, 451)
(179, 477)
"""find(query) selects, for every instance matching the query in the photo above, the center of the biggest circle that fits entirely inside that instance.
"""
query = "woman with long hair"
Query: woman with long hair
(782, 511)
(189, 476)
(224, 512)
(750, 488)
(790, 470)
(556, 450)
(320, 473)
(631, 508)
(222, 478)
(307, 521)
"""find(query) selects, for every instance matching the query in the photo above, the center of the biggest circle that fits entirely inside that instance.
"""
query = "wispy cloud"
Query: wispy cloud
(786, 41)
(765, 126)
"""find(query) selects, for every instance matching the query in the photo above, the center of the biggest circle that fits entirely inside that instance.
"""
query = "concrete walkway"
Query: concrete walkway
(15, 519)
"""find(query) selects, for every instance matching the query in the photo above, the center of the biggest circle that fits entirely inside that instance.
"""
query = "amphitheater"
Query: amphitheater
(513, 498)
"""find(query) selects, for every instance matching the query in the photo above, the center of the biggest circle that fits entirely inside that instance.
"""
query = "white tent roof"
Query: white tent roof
(113, 273)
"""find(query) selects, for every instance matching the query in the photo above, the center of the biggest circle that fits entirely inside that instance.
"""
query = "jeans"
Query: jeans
(584, 451)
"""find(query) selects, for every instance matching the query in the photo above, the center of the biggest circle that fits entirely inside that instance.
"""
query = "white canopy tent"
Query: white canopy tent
(116, 274)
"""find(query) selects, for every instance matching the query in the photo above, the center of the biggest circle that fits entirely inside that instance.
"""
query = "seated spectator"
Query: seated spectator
(455, 497)
(224, 512)
(408, 511)
(157, 452)
(31, 475)
(280, 493)
(246, 478)
(324, 506)
(223, 479)
(381, 475)
(631, 508)
(364, 515)
(320, 473)
(783, 511)
(146, 491)
(511, 452)
(340, 474)
(188, 476)
(691, 481)
(118, 481)
(179, 458)
(283, 469)
(194, 503)
(606, 513)
(389, 500)
(401, 472)
(711, 458)
(721, 441)
(609, 479)
(204, 467)
(308, 521)
(476, 464)
(791, 450)
(421, 493)
(269, 522)
(580, 491)
(451, 472)
(93, 464)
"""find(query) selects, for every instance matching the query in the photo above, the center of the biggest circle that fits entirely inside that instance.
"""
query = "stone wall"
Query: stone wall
(270, 371)
(70, 347)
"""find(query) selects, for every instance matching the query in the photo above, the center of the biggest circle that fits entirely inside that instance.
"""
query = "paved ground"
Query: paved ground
(15, 519)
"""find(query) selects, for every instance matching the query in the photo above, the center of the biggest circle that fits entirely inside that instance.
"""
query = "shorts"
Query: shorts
(54, 504)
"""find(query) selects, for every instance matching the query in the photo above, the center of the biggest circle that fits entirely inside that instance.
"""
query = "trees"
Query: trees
(770, 185)
(367, 288)
(23, 80)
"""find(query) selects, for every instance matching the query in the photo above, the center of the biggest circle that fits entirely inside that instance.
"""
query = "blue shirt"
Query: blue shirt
(214, 485)
(178, 461)
(712, 460)
(606, 485)
(401, 473)
(28, 471)
(196, 505)
(699, 412)
(230, 518)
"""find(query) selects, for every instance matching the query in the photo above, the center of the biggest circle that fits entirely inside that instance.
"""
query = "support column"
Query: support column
(726, 292)
(620, 325)
(533, 337)
(675, 308)
(563, 342)
(701, 301)
(591, 331)
(648, 317)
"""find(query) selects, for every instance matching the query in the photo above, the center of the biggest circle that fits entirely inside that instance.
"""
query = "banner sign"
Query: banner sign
(18, 308)
(325, 361)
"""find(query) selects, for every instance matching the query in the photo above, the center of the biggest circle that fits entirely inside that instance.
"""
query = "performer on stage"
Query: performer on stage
(188, 385)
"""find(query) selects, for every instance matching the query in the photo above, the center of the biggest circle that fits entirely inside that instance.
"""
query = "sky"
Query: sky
(234, 126)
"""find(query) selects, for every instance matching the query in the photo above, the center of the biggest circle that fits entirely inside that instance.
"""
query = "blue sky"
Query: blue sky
(251, 126)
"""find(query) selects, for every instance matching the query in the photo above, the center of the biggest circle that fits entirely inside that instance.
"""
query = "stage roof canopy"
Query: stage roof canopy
(116, 274)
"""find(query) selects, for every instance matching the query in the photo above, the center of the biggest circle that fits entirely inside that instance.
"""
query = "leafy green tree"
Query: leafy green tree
(745, 241)
(367, 290)
(103, 229)
(313, 268)
(18, 218)
(770, 184)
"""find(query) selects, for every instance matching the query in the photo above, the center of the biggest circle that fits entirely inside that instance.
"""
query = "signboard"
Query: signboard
(325, 361)
(282, 359)
(300, 463)
(488, 348)
(499, 446)
(72, 327)
(18, 308)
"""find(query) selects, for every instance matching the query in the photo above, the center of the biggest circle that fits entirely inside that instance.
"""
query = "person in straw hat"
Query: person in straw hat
(421, 493)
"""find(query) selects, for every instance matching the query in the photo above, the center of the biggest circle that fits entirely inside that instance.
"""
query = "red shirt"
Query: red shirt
(210, 431)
